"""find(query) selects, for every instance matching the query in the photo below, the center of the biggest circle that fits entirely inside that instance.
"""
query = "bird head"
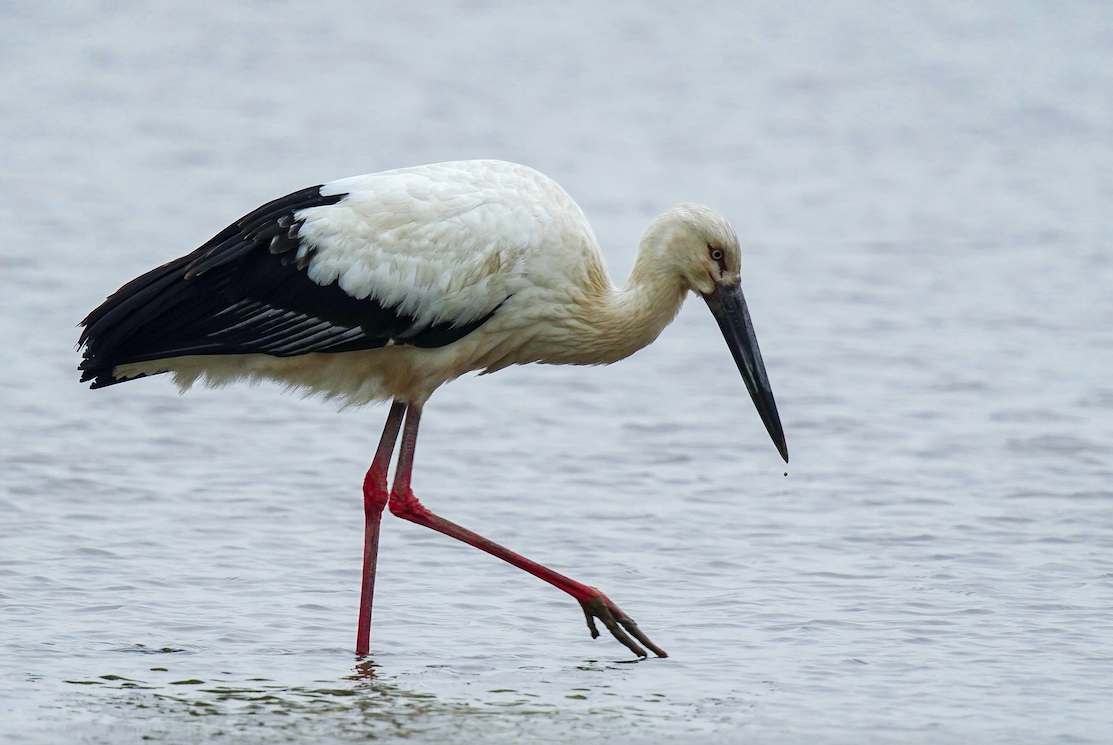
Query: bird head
(699, 247)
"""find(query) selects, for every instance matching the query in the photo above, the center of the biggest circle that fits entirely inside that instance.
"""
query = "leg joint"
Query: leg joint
(404, 504)
(375, 494)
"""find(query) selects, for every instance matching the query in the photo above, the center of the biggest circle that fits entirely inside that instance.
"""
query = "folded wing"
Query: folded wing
(327, 269)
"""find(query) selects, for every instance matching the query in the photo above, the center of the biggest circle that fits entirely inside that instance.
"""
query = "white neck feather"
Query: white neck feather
(626, 319)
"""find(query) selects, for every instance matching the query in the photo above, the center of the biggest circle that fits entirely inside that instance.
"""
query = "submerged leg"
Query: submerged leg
(375, 497)
(595, 604)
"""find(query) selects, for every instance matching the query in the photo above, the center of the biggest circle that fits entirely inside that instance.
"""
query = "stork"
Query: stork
(385, 286)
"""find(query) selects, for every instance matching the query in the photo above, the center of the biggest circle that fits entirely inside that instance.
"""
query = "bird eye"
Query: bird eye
(717, 254)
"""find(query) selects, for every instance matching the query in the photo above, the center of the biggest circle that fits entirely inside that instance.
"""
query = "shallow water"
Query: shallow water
(923, 198)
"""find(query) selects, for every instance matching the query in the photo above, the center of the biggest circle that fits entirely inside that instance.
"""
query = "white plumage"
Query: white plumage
(443, 242)
(388, 285)
(450, 242)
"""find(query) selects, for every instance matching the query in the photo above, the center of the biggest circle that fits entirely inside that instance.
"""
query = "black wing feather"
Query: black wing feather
(245, 291)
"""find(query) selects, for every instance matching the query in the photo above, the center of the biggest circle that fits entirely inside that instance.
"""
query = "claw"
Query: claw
(590, 622)
(618, 623)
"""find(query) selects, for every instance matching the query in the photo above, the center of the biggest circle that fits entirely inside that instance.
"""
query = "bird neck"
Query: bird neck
(631, 317)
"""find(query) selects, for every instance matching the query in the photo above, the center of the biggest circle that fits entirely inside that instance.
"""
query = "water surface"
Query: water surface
(922, 194)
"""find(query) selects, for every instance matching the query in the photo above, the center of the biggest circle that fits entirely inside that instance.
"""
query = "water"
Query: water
(923, 193)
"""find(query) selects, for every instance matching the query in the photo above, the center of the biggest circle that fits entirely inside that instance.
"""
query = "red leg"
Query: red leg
(595, 604)
(375, 497)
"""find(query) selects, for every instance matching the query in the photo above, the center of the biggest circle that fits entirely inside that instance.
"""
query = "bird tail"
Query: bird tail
(109, 334)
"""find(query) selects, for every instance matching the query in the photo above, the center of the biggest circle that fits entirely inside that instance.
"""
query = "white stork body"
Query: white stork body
(451, 242)
(386, 286)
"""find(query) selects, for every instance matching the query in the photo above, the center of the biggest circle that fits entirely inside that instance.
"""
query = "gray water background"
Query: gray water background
(923, 195)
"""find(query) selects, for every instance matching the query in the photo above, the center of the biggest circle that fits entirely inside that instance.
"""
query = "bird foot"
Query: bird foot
(618, 623)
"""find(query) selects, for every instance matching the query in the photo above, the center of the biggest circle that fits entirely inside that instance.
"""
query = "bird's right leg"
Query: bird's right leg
(595, 604)
(375, 498)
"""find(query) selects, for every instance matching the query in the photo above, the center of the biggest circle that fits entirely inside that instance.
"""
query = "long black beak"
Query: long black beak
(729, 308)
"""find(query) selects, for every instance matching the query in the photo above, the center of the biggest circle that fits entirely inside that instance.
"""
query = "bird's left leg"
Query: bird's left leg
(595, 604)
(375, 498)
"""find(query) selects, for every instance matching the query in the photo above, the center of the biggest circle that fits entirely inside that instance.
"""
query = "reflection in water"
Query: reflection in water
(362, 707)
(357, 706)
